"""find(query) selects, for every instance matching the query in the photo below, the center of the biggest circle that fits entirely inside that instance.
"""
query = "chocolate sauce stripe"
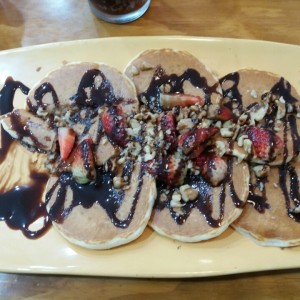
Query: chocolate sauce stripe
(101, 192)
(204, 201)
(104, 94)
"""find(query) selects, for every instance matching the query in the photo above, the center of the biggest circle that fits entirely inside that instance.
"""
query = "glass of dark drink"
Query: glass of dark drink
(119, 11)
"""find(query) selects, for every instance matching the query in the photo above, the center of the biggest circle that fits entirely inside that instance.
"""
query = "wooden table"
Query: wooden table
(31, 22)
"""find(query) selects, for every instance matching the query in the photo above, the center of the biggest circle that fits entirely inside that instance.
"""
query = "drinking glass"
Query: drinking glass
(119, 11)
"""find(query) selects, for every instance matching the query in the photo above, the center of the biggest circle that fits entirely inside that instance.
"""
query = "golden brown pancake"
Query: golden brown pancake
(88, 209)
(164, 79)
(270, 217)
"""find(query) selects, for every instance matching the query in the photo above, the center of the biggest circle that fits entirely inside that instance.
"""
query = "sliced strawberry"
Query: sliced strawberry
(212, 167)
(171, 170)
(113, 122)
(196, 139)
(265, 143)
(66, 140)
(168, 101)
(168, 127)
(83, 166)
(222, 113)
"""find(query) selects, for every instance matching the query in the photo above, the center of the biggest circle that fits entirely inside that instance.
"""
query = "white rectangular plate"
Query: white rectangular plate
(151, 255)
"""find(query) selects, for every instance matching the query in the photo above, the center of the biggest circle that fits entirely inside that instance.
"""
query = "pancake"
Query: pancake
(78, 115)
(271, 215)
(207, 216)
(165, 72)
(179, 87)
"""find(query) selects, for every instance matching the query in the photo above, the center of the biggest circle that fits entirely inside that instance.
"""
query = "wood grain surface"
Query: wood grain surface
(32, 22)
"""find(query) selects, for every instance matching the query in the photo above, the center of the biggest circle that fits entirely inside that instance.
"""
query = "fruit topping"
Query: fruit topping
(222, 113)
(66, 140)
(265, 143)
(168, 101)
(83, 166)
(212, 167)
(194, 141)
(171, 170)
(168, 126)
(113, 122)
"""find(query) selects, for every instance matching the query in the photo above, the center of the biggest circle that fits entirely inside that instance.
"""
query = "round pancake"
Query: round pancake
(200, 226)
(89, 218)
(65, 82)
(274, 226)
(94, 215)
(246, 87)
(265, 217)
(145, 66)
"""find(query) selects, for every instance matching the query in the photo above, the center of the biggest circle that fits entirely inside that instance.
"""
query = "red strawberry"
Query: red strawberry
(212, 167)
(83, 166)
(265, 142)
(66, 140)
(222, 113)
(171, 170)
(195, 140)
(168, 101)
(113, 123)
(168, 127)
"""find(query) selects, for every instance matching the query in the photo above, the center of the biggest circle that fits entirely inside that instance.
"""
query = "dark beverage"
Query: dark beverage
(119, 11)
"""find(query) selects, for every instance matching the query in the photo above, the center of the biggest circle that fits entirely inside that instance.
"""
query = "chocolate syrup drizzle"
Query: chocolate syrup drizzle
(203, 203)
(24, 131)
(175, 84)
(292, 196)
(21, 206)
(99, 94)
(260, 201)
(101, 192)
(39, 94)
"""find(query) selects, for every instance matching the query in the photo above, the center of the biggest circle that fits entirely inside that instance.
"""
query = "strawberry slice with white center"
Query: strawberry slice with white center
(113, 122)
(66, 140)
(195, 140)
(83, 165)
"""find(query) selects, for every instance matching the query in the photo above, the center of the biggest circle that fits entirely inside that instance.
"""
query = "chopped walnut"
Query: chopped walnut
(188, 193)
(281, 108)
(185, 124)
(146, 66)
(119, 182)
(176, 200)
(261, 170)
(134, 70)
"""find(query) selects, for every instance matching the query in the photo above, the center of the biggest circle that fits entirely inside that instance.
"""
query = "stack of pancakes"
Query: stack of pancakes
(257, 195)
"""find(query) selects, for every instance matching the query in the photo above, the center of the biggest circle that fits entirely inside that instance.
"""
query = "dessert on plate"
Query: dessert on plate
(268, 138)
